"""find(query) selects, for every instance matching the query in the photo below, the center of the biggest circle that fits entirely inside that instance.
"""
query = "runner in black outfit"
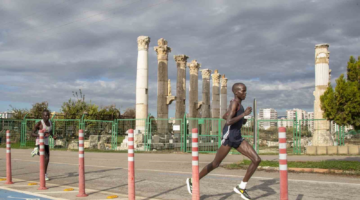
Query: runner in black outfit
(232, 139)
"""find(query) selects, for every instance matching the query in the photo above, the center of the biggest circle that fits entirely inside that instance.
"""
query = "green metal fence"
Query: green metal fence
(109, 134)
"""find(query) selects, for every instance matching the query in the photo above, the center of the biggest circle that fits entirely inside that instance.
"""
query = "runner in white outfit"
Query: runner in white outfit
(44, 124)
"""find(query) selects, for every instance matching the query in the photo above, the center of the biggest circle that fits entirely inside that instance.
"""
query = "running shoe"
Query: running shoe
(242, 192)
(34, 152)
(189, 185)
(46, 177)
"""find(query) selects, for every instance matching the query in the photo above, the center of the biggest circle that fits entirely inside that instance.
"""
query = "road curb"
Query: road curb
(309, 170)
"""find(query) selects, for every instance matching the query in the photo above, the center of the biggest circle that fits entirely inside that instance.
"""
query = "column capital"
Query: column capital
(194, 67)
(206, 73)
(162, 49)
(216, 78)
(143, 42)
(223, 81)
(181, 58)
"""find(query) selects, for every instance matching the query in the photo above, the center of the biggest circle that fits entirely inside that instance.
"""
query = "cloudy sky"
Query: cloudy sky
(50, 48)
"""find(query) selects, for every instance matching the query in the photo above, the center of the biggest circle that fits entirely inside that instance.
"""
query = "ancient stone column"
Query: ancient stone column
(223, 96)
(162, 51)
(322, 135)
(180, 89)
(215, 102)
(205, 113)
(193, 93)
(142, 83)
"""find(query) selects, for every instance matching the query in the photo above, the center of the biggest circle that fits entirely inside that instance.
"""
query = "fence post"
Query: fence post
(42, 161)
(81, 166)
(283, 164)
(195, 165)
(131, 171)
(8, 159)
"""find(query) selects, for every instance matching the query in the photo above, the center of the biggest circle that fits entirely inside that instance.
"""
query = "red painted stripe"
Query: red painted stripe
(130, 154)
(195, 140)
(282, 140)
(81, 138)
(7, 137)
(195, 158)
(130, 139)
(131, 147)
(8, 148)
(8, 143)
(283, 162)
(81, 152)
(42, 150)
(282, 151)
(195, 149)
(282, 129)
(81, 145)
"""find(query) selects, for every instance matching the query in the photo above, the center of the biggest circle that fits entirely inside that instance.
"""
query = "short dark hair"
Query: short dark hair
(47, 111)
(237, 84)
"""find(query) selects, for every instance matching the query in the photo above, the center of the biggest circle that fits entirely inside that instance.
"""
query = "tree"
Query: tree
(38, 108)
(130, 113)
(74, 109)
(19, 113)
(343, 105)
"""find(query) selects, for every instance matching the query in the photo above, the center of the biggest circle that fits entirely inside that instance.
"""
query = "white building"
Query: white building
(311, 123)
(268, 114)
(6, 114)
(301, 115)
(249, 121)
(282, 122)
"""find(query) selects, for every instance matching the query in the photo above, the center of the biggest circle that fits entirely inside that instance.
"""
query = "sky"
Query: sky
(50, 48)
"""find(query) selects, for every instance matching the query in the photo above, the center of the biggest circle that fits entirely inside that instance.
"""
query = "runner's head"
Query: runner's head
(46, 115)
(239, 90)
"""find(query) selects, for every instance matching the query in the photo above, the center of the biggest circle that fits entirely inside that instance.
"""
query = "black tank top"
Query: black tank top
(234, 132)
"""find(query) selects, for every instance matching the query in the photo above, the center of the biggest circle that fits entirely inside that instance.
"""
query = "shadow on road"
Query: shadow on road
(299, 197)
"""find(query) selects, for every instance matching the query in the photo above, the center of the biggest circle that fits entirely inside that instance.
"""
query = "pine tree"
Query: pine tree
(343, 105)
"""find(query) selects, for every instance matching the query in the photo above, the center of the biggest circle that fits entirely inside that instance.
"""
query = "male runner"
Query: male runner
(44, 124)
(232, 139)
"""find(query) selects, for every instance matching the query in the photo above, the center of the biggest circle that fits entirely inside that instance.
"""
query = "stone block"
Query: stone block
(311, 150)
(272, 144)
(101, 146)
(343, 150)
(155, 139)
(73, 145)
(86, 144)
(139, 138)
(93, 139)
(60, 142)
(353, 150)
(332, 150)
(321, 150)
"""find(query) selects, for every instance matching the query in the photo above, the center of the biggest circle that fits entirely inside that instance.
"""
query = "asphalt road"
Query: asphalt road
(162, 176)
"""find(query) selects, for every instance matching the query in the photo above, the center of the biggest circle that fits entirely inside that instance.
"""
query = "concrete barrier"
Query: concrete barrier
(332, 150)
(353, 150)
(343, 150)
(311, 150)
(321, 150)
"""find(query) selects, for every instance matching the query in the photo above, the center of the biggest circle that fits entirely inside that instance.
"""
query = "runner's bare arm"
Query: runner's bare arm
(231, 119)
(36, 128)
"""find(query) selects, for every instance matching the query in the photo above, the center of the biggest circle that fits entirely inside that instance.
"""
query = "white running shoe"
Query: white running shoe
(34, 152)
(46, 177)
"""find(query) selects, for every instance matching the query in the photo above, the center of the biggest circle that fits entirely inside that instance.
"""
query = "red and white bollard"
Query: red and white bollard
(8, 159)
(131, 165)
(42, 161)
(81, 166)
(195, 165)
(283, 165)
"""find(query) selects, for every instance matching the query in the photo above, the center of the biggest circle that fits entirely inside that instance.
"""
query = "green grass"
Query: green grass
(328, 164)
